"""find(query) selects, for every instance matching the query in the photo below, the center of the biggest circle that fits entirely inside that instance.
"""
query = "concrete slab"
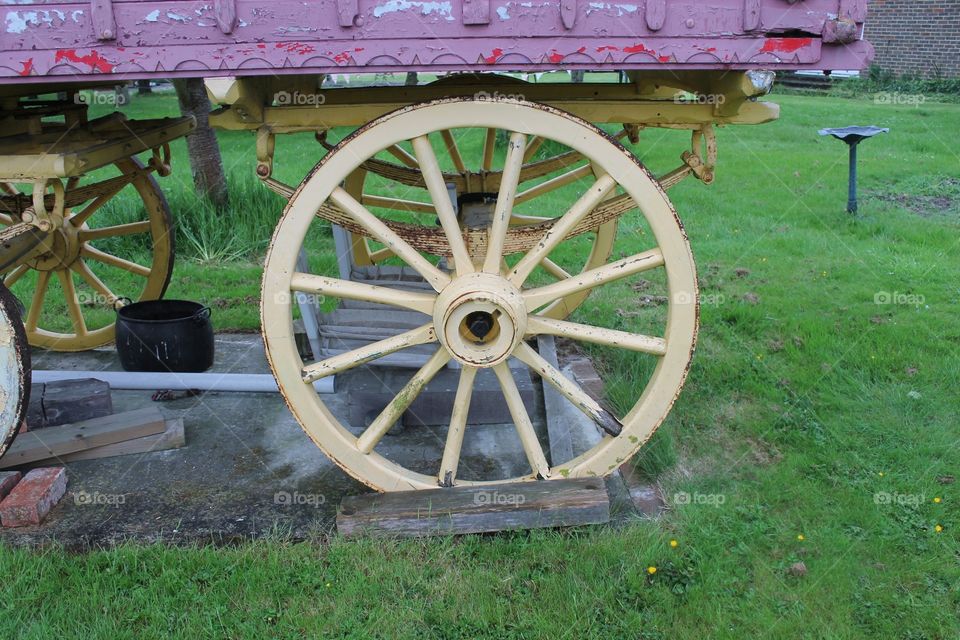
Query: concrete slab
(248, 470)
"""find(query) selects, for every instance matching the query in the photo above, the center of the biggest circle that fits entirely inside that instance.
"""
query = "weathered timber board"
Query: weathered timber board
(460, 510)
(57, 441)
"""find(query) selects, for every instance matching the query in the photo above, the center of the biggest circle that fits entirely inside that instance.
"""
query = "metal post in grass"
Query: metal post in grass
(853, 136)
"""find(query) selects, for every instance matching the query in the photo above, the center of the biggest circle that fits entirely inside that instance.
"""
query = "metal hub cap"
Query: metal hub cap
(480, 319)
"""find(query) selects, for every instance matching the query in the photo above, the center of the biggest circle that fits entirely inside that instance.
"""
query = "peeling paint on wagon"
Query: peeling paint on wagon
(94, 60)
(444, 9)
(785, 45)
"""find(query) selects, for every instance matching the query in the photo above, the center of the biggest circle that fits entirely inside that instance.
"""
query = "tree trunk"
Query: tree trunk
(205, 160)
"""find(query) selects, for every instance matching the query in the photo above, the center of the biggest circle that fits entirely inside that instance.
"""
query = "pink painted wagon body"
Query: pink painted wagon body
(149, 38)
(473, 213)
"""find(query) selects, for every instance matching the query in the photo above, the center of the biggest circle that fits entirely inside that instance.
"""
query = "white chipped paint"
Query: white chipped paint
(153, 16)
(503, 13)
(18, 21)
(620, 8)
(10, 390)
(443, 9)
(178, 17)
(76, 14)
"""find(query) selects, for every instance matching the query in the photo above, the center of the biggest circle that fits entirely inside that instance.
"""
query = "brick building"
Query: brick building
(916, 36)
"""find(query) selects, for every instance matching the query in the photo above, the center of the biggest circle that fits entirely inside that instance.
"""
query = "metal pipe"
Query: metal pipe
(852, 189)
(239, 382)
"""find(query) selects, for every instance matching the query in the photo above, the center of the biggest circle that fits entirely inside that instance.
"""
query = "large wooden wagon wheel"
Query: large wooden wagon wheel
(480, 313)
(82, 256)
(14, 370)
(543, 171)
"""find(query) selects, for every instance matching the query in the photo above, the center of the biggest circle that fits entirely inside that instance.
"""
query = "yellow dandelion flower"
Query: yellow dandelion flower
(938, 528)
(880, 473)
(674, 544)
(800, 537)
(651, 570)
(937, 500)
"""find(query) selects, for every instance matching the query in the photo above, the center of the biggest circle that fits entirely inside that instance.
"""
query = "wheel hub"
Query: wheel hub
(480, 319)
(63, 248)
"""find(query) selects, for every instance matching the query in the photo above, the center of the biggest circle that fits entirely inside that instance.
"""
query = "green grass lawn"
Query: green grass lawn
(819, 425)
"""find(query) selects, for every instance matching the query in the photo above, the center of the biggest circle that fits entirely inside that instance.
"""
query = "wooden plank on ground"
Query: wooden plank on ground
(518, 505)
(57, 441)
(558, 430)
(171, 438)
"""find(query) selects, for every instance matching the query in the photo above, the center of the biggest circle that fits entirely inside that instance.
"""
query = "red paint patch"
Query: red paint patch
(785, 45)
(495, 55)
(261, 46)
(296, 47)
(555, 57)
(27, 67)
(664, 58)
(94, 60)
(342, 58)
(638, 48)
(607, 48)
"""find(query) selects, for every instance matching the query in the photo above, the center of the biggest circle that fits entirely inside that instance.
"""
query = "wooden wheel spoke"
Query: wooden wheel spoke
(554, 183)
(350, 290)
(6, 219)
(437, 187)
(128, 229)
(453, 151)
(372, 351)
(84, 271)
(540, 325)
(569, 389)
(393, 411)
(458, 426)
(556, 233)
(517, 219)
(362, 216)
(525, 430)
(107, 258)
(12, 277)
(73, 305)
(80, 217)
(536, 298)
(489, 145)
(532, 147)
(402, 155)
(554, 269)
(397, 204)
(504, 206)
(36, 303)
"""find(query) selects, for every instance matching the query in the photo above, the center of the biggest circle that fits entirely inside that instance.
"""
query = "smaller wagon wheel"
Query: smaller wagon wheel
(546, 169)
(14, 370)
(116, 242)
(480, 311)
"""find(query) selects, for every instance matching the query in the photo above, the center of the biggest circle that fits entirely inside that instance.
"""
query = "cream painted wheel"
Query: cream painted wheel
(481, 310)
(82, 260)
(14, 370)
(401, 189)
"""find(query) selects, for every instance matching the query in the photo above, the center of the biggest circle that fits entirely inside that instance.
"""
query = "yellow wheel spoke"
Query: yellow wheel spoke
(532, 147)
(73, 305)
(402, 155)
(458, 426)
(397, 204)
(554, 183)
(15, 275)
(521, 420)
(6, 219)
(36, 304)
(350, 290)
(84, 271)
(539, 325)
(392, 412)
(453, 150)
(554, 269)
(501, 214)
(556, 233)
(387, 236)
(129, 229)
(106, 258)
(79, 218)
(372, 351)
(536, 298)
(489, 144)
(569, 389)
(441, 201)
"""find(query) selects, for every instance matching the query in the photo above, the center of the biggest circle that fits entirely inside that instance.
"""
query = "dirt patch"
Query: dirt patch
(938, 198)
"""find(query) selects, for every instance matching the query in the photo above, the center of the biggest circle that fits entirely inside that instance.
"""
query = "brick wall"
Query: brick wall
(915, 36)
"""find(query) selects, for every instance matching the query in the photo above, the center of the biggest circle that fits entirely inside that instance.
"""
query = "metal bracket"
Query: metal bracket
(568, 13)
(476, 11)
(225, 12)
(751, 15)
(101, 14)
(656, 14)
(348, 11)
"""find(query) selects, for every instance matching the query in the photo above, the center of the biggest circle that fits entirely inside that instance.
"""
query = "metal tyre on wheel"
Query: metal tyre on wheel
(481, 311)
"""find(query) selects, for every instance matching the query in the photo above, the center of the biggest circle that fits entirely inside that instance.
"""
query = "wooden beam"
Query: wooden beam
(469, 509)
